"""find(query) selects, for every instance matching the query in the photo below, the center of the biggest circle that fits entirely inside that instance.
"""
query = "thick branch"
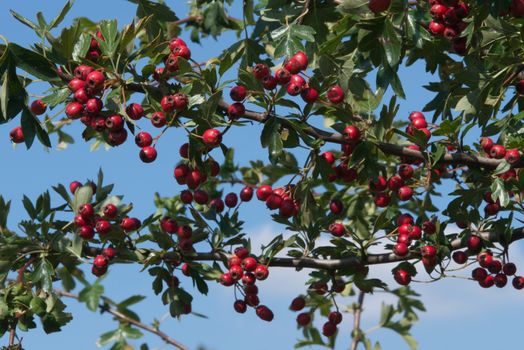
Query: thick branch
(132, 321)
(326, 264)
(356, 336)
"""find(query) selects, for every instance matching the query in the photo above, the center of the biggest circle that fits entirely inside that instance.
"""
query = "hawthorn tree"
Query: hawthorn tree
(341, 162)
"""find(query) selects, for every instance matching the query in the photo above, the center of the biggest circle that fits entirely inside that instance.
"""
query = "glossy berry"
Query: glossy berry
(95, 80)
(168, 225)
(497, 151)
(109, 252)
(512, 156)
(336, 206)
(130, 224)
(249, 264)
(405, 219)
(143, 139)
(236, 110)
(135, 111)
(509, 269)
(148, 154)
(337, 229)
(86, 232)
(401, 249)
(100, 261)
(460, 257)
(231, 200)
(402, 277)
(335, 317)
(486, 143)
(518, 282)
(283, 76)
(263, 192)
(74, 110)
(395, 183)
(351, 133)
(76, 84)
(335, 94)
(474, 243)
(246, 194)
(158, 119)
(309, 95)
(436, 28)
(261, 272)
(212, 138)
(260, 71)
(238, 93)
(81, 72)
(110, 211)
(242, 252)
(103, 227)
(405, 193)
(382, 199)
(38, 107)
(201, 197)
(73, 186)
(86, 211)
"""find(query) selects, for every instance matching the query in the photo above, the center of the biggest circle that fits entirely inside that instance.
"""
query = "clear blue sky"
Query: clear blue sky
(458, 311)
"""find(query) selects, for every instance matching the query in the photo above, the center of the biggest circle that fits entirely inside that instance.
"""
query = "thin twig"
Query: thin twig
(130, 320)
(356, 336)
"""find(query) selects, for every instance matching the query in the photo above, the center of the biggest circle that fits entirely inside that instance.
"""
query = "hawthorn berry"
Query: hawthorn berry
(148, 154)
(335, 94)
(168, 225)
(377, 6)
(240, 306)
(246, 194)
(402, 277)
(86, 232)
(38, 107)
(249, 264)
(297, 304)
(212, 138)
(303, 319)
(264, 313)
(143, 139)
(135, 111)
(329, 329)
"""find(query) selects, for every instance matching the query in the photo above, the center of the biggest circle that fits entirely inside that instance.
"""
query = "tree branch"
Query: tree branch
(356, 336)
(138, 324)
(326, 264)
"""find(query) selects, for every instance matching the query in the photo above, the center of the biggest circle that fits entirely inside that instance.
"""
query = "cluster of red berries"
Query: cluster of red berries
(408, 232)
(184, 233)
(102, 220)
(304, 318)
(245, 268)
(448, 21)
(279, 198)
(497, 151)
(94, 48)
(287, 76)
(492, 207)
(342, 171)
(336, 207)
(491, 272)
(383, 189)
(101, 262)
(418, 121)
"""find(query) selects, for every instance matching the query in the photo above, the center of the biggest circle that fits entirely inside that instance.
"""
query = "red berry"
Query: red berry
(382, 199)
(329, 329)
(158, 119)
(492, 209)
(405, 193)
(377, 6)
(86, 211)
(114, 122)
(437, 11)
(460, 257)
(329, 157)
(148, 154)
(236, 110)
(395, 183)
(336, 206)
(143, 139)
(337, 229)
(428, 251)
(302, 60)
(168, 225)
(260, 71)
(81, 96)
(135, 111)
(500, 280)
(240, 306)
(309, 95)
(429, 227)
(474, 243)
(103, 227)
(486, 143)
(184, 232)
(269, 82)
(436, 28)
(246, 194)
(303, 319)
(73, 186)
(38, 107)
(100, 261)
(74, 110)
(117, 137)
(351, 133)
(175, 42)
(110, 211)
(518, 282)
(283, 76)
(509, 269)
(241, 252)
(186, 197)
(86, 232)
(212, 138)
(95, 80)
(402, 277)
(497, 151)
(292, 65)
(405, 219)
(76, 84)
(263, 192)
(109, 252)
(82, 71)
(401, 249)
(294, 89)
(248, 279)
(261, 272)
(335, 317)
(335, 94)
(201, 197)
(226, 279)
(512, 156)
(297, 304)
(479, 274)
(378, 184)
(264, 313)
(405, 171)
(130, 224)
(249, 264)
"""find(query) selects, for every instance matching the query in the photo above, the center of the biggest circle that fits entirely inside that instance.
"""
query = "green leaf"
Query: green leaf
(109, 43)
(57, 97)
(91, 296)
(60, 17)
(81, 47)
(289, 38)
(392, 44)
(210, 106)
(498, 192)
(34, 63)
(43, 273)
(83, 195)
(23, 20)
(28, 127)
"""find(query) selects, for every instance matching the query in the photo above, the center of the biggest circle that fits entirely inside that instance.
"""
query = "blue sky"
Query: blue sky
(457, 309)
